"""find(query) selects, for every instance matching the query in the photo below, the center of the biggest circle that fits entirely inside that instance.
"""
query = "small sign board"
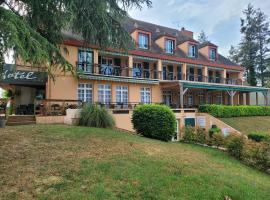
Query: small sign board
(225, 131)
(19, 77)
(201, 121)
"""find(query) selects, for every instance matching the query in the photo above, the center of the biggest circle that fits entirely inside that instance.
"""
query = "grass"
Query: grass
(248, 125)
(63, 162)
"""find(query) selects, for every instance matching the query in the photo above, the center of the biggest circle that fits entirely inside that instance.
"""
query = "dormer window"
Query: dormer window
(192, 51)
(169, 46)
(143, 41)
(213, 54)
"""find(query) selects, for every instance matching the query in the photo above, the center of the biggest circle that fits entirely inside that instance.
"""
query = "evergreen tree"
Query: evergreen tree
(202, 37)
(234, 55)
(33, 28)
(248, 46)
(263, 40)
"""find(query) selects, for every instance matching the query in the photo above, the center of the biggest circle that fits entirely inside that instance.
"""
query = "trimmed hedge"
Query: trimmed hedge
(222, 111)
(259, 136)
(154, 121)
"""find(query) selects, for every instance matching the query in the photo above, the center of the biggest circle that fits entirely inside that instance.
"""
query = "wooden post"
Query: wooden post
(130, 66)
(247, 98)
(184, 71)
(257, 99)
(181, 96)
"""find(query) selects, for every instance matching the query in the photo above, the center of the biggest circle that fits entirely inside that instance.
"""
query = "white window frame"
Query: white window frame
(169, 46)
(190, 100)
(85, 92)
(122, 94)
(192, 50)
(145, 95)
(143, 40)
(104, 93)
(83, 58)
(213, 51)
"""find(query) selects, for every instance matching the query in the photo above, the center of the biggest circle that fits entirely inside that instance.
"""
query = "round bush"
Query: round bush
(154, 121)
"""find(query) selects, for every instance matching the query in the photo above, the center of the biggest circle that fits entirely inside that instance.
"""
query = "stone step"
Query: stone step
(20, 123)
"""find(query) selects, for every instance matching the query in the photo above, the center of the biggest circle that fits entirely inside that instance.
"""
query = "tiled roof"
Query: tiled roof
(157, 31)
(130, 25)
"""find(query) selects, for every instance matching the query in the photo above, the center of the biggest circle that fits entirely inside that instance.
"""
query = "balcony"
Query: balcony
(118, 71)
(149, 74)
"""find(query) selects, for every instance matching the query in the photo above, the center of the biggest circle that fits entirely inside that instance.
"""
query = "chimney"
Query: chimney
(186, 32)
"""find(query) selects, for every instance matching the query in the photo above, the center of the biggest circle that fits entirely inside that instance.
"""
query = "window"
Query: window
(169, 46)
(143, 41)
(201, 98)
(192, 51)
(106, 66)
(190, 100)
(122, 94)
(219, 99)
(104, 94)
(137, 69)
(85, 60)
(209, 100)
(145, 95)
(167, 97)
(85, 92)
(213, 54)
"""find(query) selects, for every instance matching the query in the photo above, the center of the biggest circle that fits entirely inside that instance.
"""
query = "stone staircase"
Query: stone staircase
(14, 120)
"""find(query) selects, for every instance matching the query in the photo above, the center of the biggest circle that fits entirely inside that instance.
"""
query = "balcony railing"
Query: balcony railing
(113, 70)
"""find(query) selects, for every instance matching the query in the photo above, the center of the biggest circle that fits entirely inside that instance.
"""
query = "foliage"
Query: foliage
(190, 134)
(236, 146)
(253, 50)
(154, 121)
(214, 130)
(223, 111)
(202, 38)
(34, 28)
(96, 116)
(259, 136)
(202, 136)
(257, 155)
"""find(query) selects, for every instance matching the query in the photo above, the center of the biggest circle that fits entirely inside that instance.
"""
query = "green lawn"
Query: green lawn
(63, 162)
(247, 125)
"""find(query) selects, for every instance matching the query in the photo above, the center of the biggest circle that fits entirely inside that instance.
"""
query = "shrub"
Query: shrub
(235, 147)
(257, 155)
(214, 130)
(95, 116)
(202, 136)
(217, 139)
(223, 111)
(190, 134)
(259, 136)
(154, 121)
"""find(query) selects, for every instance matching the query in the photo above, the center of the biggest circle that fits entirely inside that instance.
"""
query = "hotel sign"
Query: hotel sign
(12, 76)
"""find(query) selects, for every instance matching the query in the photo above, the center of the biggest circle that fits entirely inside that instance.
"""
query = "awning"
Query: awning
(119, 79)
(227, 87)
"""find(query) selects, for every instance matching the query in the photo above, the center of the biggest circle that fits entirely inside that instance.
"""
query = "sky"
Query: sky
(220, 19)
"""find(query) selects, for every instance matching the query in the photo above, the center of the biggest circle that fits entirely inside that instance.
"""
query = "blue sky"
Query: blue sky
(219, 19)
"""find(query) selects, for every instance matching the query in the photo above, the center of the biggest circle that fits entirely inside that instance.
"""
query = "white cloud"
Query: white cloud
(197, 15)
